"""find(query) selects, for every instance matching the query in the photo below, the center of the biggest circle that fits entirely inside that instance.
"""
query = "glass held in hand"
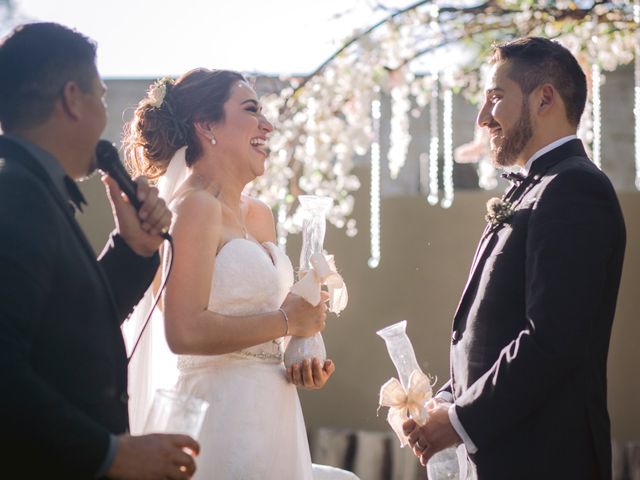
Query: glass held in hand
(444, 465)
(314, 225)
(174, 412)
(400, 350)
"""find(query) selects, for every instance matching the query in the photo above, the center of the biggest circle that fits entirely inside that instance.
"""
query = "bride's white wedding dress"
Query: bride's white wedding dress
(254, 428)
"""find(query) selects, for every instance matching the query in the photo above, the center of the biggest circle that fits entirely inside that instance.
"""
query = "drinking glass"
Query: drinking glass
(174, 412)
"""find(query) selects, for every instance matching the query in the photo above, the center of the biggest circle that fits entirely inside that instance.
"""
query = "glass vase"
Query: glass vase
(445, 464)
(400, 350)
(314, 225)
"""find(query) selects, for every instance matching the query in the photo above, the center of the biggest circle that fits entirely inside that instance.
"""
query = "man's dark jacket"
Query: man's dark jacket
(531, 332)
(63, 360)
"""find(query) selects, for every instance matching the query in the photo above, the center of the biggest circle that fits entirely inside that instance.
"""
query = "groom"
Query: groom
(527, 394)
(63, 403)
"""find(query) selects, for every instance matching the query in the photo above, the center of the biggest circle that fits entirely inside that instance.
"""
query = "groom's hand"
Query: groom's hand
(435, 435)
(310, 375)
(154, 457)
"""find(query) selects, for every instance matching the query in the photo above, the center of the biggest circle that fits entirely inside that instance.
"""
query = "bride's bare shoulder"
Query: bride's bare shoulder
(196, 202)
(257, 207)
(259, 219)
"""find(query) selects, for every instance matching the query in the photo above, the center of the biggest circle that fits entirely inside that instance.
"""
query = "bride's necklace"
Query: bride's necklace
(240, 223)
(245, 234)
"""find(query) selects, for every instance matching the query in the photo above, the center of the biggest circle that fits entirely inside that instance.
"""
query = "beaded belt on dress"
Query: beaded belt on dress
(276, 355)
(258, 355)
(189, 362)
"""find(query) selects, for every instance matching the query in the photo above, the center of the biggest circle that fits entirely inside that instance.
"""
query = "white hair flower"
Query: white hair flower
(157, 92)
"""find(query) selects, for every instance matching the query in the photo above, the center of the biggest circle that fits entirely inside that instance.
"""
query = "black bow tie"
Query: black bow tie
(514, 177)
(75, 195)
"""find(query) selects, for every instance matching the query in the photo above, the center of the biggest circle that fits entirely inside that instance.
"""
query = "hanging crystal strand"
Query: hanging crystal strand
(399, 136)
(636, 110)
(596, 83)
(596, 77)
(434, 143)
(447, 168)
(422, 96)
(374, 260)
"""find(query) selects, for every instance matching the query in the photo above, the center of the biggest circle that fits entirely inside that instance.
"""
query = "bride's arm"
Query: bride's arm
(190, 327)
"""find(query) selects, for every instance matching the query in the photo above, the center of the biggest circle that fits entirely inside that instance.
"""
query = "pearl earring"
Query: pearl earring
(213, 140)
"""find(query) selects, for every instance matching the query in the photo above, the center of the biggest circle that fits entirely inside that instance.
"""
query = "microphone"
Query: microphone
(108, 160)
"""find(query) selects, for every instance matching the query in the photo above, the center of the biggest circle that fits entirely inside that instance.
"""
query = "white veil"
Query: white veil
(153, 365)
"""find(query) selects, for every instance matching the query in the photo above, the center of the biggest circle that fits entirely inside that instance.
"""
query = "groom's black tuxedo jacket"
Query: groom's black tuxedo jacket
(531, 332)
(64, 373)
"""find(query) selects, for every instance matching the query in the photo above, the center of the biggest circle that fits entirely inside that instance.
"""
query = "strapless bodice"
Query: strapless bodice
(249, 278)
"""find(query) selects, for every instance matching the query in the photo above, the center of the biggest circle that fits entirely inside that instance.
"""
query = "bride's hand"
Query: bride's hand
(310, 375)
(303, 319)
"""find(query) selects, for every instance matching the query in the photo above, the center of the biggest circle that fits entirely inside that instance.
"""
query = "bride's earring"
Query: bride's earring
(213, 140)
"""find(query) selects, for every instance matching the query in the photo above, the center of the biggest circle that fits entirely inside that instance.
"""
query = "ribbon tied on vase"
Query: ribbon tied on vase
(405, 404)
(322, 272)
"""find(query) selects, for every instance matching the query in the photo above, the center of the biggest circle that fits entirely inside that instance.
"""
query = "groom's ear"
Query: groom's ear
(547, 97)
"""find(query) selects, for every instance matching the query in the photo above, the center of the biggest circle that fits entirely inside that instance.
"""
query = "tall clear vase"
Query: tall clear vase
(400, 350)
(315, 209)
(444, 464)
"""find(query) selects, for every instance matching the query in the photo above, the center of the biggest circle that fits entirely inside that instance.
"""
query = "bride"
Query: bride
(227, 308)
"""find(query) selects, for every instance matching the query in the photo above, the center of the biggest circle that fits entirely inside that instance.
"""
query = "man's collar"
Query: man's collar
(65, 184)
(545, 149)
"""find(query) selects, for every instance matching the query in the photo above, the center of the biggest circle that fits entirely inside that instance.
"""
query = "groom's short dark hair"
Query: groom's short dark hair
(535, 61)
(37, 60)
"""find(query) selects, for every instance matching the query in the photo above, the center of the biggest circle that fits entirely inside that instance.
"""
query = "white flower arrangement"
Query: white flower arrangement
(325, 120)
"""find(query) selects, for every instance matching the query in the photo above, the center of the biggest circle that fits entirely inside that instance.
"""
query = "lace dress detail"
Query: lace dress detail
(267, 276)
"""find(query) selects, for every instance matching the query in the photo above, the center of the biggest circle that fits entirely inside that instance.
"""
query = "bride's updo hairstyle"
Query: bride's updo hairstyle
(164, 120)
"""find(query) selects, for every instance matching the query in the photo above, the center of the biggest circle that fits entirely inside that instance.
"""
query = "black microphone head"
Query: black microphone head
(106, 155)
(108, 160)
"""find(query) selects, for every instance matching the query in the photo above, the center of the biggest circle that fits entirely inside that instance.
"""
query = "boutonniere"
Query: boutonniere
(499, 211)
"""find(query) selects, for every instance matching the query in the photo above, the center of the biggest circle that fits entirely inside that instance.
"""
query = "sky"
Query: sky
(145, 38)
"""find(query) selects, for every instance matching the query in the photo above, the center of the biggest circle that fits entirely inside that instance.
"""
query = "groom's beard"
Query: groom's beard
(513, 142)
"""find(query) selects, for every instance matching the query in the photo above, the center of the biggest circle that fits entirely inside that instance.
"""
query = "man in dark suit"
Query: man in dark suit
(63, 404)
(527, 394)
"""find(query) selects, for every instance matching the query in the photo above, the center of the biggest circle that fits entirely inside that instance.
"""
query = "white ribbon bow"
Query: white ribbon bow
(404, 404)
(322, 272)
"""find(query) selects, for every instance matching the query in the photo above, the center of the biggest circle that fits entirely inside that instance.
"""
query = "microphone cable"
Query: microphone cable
(169, 239)
(108, 160)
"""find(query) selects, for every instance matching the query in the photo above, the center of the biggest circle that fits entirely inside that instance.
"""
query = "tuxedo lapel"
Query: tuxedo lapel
(488, 230)
(11, 152)
(515, 195)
